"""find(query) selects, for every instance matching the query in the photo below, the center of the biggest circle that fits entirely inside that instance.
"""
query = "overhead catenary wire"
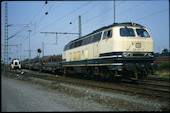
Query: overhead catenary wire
(18, 32)
(109, 9)
(42, 17)
(37, 22)
(136, 6)
(37, 13)
(91, 8)
(50, 7)
(158, 12)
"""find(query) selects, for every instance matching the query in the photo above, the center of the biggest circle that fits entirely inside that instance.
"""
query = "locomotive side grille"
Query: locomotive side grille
(136, 55)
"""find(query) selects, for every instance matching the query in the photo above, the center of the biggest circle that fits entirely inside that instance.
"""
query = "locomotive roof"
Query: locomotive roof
(119, 24)
(112, 25)
(15, 59)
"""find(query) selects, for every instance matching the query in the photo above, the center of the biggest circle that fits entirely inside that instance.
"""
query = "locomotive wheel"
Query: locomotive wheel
(109, 75)
(90, 73)
(40, 70)
(104, 73)
(144, 73)
(113, 77)
(118, 79)
(65, 72)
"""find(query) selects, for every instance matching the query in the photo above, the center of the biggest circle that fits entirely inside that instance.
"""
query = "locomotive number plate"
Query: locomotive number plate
(138, 45)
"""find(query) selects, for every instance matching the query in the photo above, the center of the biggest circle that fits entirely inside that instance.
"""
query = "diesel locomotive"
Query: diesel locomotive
(115, 51)
(15, 64)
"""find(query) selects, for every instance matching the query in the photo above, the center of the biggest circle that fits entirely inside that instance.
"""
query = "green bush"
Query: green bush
(161, 70)
(163, 66)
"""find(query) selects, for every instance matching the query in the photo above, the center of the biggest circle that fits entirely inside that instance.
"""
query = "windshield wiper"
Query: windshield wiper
(128, 30)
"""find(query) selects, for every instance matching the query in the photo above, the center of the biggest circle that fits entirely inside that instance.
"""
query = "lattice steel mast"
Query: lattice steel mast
(6, 36)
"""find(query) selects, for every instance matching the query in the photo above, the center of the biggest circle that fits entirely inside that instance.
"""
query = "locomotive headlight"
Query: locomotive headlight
(124, 54)
(146, 54)
(150, 55)
(127, 54)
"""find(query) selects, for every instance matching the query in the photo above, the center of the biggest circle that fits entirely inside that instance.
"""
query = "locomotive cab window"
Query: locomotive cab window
(127, 32)
(72, 46)
(79, 43)
(75, 44)
(84, 42)
(68, 47)
(107, 34)
(97, 37)
(87, 40)
(142, 33)
(91, 39)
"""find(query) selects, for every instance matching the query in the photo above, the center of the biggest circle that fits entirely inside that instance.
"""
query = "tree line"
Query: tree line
(165, 52)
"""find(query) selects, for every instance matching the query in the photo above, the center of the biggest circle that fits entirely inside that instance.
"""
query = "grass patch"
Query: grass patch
(163, 75)
(161, 70)
(163, 66)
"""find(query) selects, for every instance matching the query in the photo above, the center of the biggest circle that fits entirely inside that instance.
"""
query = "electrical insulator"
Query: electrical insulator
(46, 2)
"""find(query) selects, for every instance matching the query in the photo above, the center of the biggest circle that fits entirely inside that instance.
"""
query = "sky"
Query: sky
(63, 16)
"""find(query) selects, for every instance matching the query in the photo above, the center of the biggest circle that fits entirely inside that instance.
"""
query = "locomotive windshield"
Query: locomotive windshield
(142, 33)
(127, 32)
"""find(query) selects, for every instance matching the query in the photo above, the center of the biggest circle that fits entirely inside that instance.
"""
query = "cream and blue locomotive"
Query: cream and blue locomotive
(121, 50)
(15, 64)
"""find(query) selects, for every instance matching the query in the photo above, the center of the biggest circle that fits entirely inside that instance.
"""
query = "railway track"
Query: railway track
(142, 89)
(164, 85)
(158, 79)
